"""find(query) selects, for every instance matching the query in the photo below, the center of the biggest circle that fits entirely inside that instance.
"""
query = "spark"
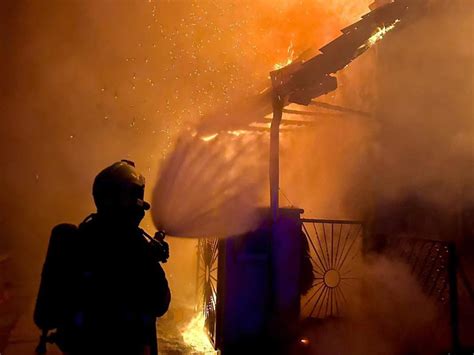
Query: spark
(210, 137)
(304, 341)
(260, 125)
(379, 34)
(238, 132)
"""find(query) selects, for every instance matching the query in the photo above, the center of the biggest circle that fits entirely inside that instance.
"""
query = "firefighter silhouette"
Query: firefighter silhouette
(102, 286)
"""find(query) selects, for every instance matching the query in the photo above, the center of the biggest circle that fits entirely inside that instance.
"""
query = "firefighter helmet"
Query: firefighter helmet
(119, 187)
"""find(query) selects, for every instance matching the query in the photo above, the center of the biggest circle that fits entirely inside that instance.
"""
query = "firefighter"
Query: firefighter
(102, 284)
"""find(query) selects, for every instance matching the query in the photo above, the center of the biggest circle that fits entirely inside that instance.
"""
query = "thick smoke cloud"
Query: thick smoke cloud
(385, 313)
(425, 140)
(417, 86)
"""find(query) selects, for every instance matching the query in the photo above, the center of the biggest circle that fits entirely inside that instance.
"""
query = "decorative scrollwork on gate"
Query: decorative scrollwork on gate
(335, 249)
(208, 255)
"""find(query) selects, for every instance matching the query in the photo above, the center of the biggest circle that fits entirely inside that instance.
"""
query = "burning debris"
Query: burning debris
(381, 32)
(300, 80)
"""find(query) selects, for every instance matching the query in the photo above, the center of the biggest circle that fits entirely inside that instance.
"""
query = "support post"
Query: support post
(275, 155)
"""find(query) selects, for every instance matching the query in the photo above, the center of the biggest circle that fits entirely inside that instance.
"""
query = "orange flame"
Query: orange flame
(196, 337)
(291, 54)
(379, 34)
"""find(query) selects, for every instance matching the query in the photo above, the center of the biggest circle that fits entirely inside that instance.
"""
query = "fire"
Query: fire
(209, 137)
(304, 341)
(195, 336)
(380, 33)
(291, 54)
(236, 133)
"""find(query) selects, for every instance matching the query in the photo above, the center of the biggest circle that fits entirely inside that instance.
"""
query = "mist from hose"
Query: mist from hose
(211, 186)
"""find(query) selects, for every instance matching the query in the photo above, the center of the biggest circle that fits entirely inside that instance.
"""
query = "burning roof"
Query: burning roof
(303, 80)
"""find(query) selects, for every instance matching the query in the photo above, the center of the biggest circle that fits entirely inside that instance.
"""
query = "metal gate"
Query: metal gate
(434, 264)
(206, 292)
(428, 261)
(335, 250)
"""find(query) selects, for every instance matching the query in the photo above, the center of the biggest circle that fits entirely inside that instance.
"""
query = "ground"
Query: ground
(24, 336)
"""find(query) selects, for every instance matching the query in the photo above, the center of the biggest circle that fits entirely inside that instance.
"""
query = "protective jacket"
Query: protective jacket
(102, 288)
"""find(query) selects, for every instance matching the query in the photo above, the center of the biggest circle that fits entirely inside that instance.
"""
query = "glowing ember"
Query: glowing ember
(381, 32)
(266, 125)
(210, 137)
(195, 336)
(238, 132)
(291, 53)
(304, 341)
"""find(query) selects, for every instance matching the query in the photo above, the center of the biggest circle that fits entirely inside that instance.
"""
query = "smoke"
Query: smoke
(417, 142)
(386, 313)
(424, 145)
(86, 83)
(324, 167)
(418, 138)
(217, 177)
